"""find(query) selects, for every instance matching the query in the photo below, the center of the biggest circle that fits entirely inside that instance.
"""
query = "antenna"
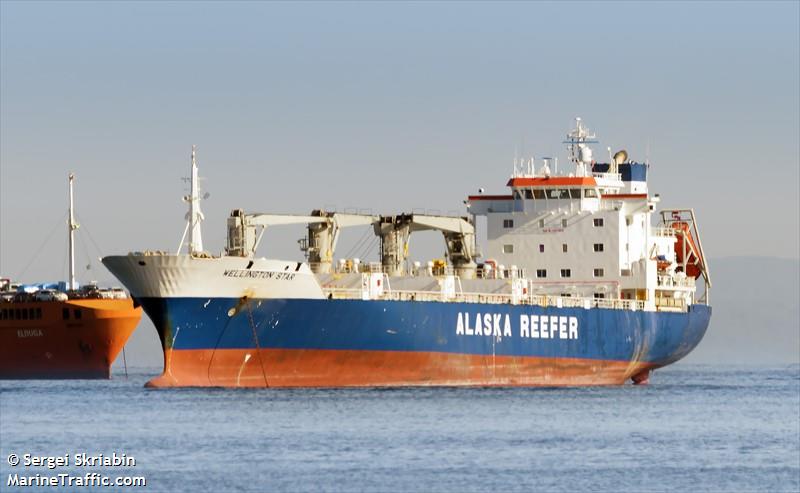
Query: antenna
(579, 152)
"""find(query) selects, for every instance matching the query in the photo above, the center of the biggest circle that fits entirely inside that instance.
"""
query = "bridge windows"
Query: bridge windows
(555, 193)
(523, 194)
(558, 193)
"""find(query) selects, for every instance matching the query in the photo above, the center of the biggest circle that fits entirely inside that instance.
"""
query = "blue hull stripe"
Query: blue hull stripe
(602, 334)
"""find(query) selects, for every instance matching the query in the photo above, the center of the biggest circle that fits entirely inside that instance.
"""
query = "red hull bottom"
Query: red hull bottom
(343, 368)
(58, 374)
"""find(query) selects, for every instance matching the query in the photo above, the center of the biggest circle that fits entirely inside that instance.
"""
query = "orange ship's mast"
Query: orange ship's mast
(72, 226)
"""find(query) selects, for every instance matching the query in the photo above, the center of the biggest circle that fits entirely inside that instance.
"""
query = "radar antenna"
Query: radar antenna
(579, 152)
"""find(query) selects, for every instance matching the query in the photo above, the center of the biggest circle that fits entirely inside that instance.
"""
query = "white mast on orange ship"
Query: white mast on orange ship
(72, 226)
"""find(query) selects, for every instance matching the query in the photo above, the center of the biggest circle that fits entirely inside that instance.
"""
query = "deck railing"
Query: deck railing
(488, 298)
(676, 282)
(670, 304)
(662, 232)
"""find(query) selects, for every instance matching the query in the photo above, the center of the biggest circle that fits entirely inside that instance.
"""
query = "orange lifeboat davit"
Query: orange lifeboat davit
(687, 246)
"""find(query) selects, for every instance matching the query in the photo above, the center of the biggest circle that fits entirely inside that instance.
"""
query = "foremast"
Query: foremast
(194, 217)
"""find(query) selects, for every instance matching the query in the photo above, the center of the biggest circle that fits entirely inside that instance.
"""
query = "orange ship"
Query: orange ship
(76, 338)
(63, 331)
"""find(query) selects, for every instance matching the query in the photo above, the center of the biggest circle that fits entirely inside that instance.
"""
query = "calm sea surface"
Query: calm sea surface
(695, 428)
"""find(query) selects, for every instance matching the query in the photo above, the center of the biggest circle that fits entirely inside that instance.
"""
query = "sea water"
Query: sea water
(694, 428)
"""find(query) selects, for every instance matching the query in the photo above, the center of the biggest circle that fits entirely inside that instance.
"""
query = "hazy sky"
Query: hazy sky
(384, 106)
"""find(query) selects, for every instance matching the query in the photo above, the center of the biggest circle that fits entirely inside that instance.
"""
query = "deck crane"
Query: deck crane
(246, 230)
(459, 236)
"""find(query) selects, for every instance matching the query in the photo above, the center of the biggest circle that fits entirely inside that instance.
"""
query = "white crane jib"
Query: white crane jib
(246, 230)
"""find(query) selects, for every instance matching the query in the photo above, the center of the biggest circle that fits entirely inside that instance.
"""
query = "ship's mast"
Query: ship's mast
(72, 226)
(579, 152)
(195, 216)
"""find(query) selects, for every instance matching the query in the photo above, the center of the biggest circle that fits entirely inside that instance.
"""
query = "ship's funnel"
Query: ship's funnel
(620, 157)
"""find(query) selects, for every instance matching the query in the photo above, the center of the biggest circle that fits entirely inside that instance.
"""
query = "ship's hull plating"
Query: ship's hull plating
(52, 343)
(330, 343)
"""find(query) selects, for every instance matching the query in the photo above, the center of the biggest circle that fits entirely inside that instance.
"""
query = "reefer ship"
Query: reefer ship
(576, 288)
(62, 330)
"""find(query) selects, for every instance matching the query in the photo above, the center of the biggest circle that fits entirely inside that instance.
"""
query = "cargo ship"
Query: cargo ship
(63, 330)
(577, 287)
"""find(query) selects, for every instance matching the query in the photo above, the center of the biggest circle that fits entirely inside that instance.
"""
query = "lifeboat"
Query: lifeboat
(686, 244)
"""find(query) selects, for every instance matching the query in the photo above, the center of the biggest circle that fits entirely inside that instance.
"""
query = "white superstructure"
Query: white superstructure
(588, 233)
(583, 238)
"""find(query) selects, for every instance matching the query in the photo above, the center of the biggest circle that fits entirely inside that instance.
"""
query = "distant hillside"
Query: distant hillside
(756, 318)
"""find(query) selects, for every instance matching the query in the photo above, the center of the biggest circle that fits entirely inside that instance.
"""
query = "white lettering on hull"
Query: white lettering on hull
(260, 274)
(530, 326)
(22, 333)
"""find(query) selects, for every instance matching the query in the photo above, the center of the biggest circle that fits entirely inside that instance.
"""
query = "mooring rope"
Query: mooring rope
(255, 338)
(125, 362)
